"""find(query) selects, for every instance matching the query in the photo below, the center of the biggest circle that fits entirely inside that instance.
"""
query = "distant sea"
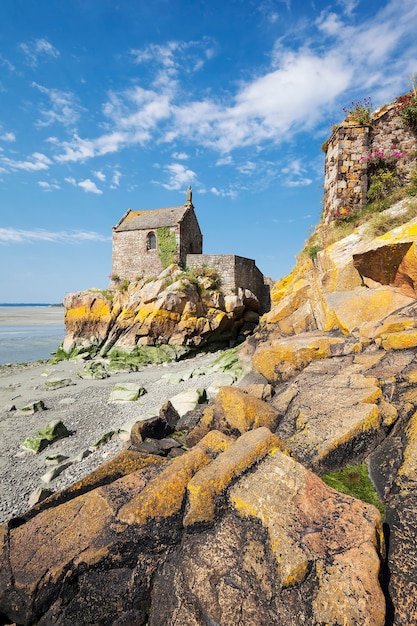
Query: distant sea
(30, 331)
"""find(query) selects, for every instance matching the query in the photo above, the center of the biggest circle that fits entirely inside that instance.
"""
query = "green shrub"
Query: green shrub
(313, 251)
(382, 183)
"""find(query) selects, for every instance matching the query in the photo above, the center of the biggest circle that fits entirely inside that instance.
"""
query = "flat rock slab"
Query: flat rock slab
(332, 413)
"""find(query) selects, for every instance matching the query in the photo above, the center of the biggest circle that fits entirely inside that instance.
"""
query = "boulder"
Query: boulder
(51, 432)
(33, 407)
(126, 392)
(271, 545)
(272, 559)
(187, 400)
(236, 412)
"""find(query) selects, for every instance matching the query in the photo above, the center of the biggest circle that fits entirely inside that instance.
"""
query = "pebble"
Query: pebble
(88, 415)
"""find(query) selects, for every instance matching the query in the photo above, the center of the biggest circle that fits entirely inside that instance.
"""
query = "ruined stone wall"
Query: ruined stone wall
(346, 179)
(235, 272)
(389, 132)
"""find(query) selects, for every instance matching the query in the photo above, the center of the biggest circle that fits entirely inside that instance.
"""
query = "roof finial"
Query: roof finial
(189, 200)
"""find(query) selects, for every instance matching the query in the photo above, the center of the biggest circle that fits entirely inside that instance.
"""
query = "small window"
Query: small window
(151, 241)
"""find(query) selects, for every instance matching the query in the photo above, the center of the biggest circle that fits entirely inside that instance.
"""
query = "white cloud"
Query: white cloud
(227, 160)
(8, 137)
(48, 186)
(224, 193)
(348, 6)
(89, 186)
(179, 177)
(64, 109)
(295, 94)
(295, 174)
(174, 57)
(37, 161)
(15, 235)
(6, 63)
(115, 181)
(36, 49)
(247, 168)
(180, 156)
(100, 175)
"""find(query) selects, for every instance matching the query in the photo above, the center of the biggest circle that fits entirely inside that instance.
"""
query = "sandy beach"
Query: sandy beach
(32, 315)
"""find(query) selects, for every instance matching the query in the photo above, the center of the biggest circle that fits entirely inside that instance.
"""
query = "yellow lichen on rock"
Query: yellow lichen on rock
(400, 341)
(271, 358)
(163, 496)
(210, 481)
(407, 474)
(238, 411)
(361, 306)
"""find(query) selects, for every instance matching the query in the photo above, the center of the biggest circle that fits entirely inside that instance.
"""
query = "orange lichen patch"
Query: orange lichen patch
(389, 413)
(400, 341)
(215, 442)
(100, 308)
(242, 412)
(286, 284)
(361, 306)
(396, 324)
(297, 351)
(46, 544)
(163, 496)
(411, 376)
(290, 302)
(212, 480)
(126, 315)
(126, 462)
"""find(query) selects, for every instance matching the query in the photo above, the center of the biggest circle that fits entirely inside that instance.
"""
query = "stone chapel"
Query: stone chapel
(140, 237)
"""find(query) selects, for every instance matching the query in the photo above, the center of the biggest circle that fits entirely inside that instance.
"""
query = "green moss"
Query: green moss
(141, 356)
(61, 355)
(106, 438)
(354, 481)
(50, 433)
(167, 245)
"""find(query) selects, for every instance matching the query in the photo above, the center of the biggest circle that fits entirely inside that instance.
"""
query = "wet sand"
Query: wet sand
(32, 315)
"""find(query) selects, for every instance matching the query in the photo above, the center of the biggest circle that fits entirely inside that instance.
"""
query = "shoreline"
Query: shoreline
(30, 334)
(31, 316)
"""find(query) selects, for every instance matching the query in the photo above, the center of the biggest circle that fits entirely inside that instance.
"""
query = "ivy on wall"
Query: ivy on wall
(167, 245)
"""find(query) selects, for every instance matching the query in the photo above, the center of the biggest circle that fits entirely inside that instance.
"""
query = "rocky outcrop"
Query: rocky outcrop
(239, 532)
(176, 308)
(222, 514)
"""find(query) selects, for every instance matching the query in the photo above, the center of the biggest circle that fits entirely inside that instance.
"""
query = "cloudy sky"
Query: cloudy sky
(107, 105)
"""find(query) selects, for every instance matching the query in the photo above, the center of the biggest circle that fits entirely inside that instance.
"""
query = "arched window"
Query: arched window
(151, 241)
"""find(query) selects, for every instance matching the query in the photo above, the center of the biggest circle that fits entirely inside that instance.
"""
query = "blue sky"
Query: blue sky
(107, 105)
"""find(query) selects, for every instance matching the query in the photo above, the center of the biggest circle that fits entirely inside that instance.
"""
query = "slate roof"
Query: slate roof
(154, 218)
